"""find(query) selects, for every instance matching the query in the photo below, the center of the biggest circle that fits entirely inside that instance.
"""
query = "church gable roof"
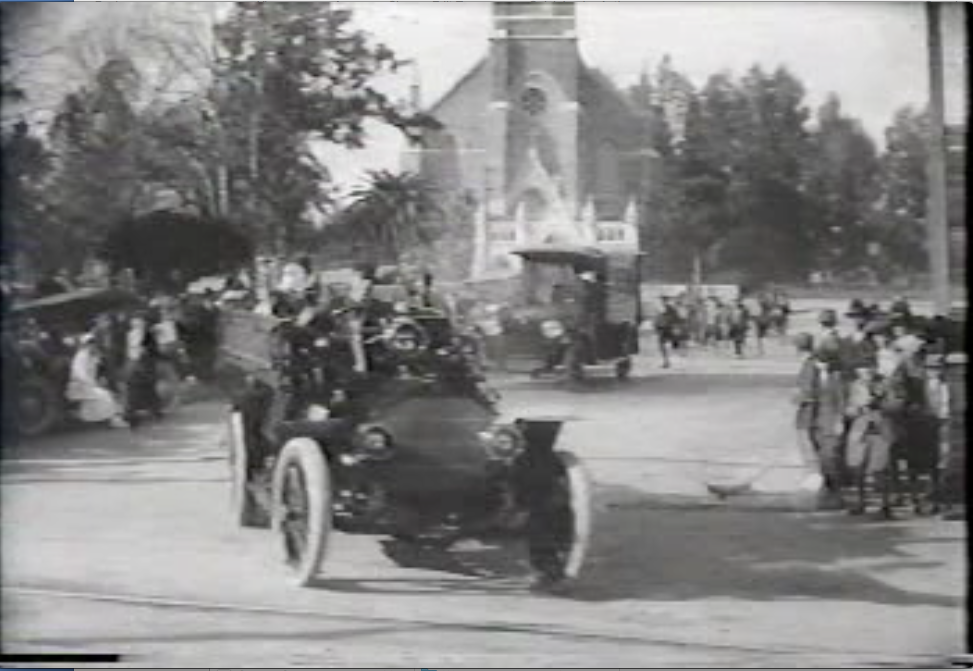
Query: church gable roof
(473, 84)
(597, 90)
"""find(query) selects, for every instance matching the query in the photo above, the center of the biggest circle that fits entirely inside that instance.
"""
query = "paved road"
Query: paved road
(121, 542)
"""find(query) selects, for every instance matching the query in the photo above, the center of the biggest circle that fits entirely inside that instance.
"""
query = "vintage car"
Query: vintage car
(577, 308)
(39, 342)
(385, 427)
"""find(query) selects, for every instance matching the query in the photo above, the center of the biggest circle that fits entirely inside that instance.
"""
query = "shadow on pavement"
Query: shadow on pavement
(672, 384)
(661, 551)
(187, 435)
(666, 551)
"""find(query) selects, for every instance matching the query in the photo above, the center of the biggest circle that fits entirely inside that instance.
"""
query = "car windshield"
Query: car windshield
(548, 283)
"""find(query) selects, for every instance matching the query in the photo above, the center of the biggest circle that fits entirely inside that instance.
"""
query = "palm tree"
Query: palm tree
(393, 213)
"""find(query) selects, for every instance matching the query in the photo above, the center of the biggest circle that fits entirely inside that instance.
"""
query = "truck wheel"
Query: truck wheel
(559, 531)
(302, 513)
(246, 511)
(623, 369)
(168, 387)
(38, 406)
(574, 361)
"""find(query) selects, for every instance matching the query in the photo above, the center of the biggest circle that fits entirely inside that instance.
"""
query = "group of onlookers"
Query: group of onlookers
(114, 366)
(872, 405)
(714, 322)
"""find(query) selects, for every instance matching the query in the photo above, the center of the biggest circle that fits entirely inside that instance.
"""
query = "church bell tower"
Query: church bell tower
(533, 117)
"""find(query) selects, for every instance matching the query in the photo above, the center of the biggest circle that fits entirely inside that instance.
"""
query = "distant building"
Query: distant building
(548, 148)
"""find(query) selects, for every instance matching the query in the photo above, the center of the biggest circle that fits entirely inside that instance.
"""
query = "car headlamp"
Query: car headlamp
(552, 329)
(317, 413)
(374, 442)
(503, 443)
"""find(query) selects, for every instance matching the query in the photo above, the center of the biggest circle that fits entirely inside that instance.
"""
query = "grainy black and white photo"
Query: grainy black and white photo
(483, 335)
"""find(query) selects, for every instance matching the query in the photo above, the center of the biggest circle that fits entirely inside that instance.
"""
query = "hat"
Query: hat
(900, 306)
(857, 308)
(828, 317)
(877, 327)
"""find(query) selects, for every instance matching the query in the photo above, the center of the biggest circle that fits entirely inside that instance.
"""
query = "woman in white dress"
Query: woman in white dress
(85, 387)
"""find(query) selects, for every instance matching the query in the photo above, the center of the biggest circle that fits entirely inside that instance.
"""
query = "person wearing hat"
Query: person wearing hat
(739, 325)
(142, 373)
(666, 328)
(859, 313)
(870, 433)
(806, 398)
(828, 324)
(827, 425)
(863, 339)
(85, 387)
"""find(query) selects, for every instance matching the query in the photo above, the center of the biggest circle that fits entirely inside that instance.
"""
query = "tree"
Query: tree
(97, 144)
(898, 218)
(393, 213)
(25, 168)
(841, 186)
(771, 237)
(660, 101)
(289, 76)
(160, 244)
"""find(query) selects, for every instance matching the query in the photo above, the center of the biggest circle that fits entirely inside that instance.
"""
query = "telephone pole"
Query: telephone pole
(936, 216)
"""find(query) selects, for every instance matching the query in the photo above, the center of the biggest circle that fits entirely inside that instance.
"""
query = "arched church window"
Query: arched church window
(534, 101)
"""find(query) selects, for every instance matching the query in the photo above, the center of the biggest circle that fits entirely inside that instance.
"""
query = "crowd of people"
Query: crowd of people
(872, 407)
(114, 367)
(691, 318)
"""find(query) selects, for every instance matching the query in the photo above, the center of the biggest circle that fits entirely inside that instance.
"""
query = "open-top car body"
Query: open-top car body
(385, 426)
(577, 308)
(40, 338)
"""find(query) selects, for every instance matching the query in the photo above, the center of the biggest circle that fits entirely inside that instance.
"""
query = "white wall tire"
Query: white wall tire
(558, 553)
(302, 511)
(581, 505)
(243, 506)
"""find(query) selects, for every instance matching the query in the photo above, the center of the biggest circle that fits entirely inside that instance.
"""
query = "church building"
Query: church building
(548, 147)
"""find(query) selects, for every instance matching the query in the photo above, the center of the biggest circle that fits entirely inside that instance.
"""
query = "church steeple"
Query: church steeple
(534, 19)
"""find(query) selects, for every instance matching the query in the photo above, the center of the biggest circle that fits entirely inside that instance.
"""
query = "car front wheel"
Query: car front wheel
(302, 507)
(559, 527)
(38, 407)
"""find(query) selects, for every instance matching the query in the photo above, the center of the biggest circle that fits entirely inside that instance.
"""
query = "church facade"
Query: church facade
(546, 146)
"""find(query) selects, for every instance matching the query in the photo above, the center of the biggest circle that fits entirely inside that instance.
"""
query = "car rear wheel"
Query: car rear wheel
(38, 406)
(559, 530)
(302, 513)
(574, 360)
(245, 509)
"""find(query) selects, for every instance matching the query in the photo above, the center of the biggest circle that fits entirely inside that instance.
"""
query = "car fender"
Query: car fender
(333, 435)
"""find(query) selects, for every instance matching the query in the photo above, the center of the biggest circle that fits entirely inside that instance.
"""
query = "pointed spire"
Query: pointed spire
(588, 215)
(479, 243)
(631, 213)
